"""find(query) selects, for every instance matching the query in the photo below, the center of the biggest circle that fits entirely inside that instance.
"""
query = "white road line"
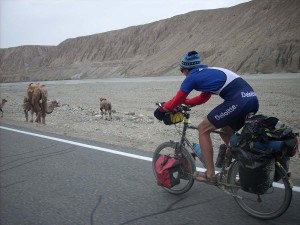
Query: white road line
(80, 144)
(295, 188)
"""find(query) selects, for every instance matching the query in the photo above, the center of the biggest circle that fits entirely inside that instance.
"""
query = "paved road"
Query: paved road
(48, 179)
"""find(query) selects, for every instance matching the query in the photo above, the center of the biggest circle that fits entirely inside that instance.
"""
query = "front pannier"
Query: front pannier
(166, 169)
(172, 118)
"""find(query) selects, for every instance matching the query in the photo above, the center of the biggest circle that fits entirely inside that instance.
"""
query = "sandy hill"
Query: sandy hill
(261, 36)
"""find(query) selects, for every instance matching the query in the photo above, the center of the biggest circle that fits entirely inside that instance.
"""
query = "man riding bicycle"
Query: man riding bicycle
(239, 100)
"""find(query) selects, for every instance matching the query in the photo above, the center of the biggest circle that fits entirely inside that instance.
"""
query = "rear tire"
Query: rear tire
(186, 169)
(268, 206)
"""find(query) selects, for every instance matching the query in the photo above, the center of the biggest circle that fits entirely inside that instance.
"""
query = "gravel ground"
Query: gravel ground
(133, 101)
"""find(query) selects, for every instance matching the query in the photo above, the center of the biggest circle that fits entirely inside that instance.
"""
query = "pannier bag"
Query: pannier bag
(165, 168)
(271, 147)
(173, 118)
(256, 172)
(262, 140)
(263, 132)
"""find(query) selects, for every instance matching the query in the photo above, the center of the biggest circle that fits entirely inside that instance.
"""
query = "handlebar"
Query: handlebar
(181, 108)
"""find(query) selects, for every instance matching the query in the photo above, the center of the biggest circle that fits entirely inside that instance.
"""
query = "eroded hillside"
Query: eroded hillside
(261, 36)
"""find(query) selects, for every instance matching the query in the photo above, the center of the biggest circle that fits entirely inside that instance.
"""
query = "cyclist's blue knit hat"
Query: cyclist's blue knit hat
(190, 60)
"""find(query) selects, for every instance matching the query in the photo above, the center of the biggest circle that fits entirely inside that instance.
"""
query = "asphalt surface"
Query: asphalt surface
(53, 180)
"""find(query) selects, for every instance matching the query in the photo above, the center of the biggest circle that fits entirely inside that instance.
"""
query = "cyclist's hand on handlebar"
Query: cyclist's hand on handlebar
(159, 114)
(182, 108)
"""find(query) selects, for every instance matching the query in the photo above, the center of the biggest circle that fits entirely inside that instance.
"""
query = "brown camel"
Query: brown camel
(1, 106)
(37, 96)
(28, 107)
(105, 106)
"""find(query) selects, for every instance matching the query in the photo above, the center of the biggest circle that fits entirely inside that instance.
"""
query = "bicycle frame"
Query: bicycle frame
(184, 139)
(186, 125)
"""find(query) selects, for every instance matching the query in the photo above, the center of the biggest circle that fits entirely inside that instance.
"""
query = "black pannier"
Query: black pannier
(263, 132)
(256, 172)
(262, 140)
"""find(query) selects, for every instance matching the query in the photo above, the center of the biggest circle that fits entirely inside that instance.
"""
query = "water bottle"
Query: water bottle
(198, 152)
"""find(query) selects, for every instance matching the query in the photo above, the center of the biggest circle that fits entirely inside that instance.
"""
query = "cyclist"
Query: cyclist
(239, 100)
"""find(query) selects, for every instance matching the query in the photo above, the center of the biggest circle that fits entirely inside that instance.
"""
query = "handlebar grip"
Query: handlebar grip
(159, 104)
(179, 108)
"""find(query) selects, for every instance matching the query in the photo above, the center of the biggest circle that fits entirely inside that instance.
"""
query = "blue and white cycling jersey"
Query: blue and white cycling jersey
(239, 97)
(214, 80)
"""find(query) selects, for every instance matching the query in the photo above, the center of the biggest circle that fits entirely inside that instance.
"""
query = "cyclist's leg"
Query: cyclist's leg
(225, 137)
(205, 128)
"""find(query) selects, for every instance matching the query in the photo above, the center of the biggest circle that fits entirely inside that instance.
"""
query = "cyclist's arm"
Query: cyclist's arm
(198, 100)
(176, 101)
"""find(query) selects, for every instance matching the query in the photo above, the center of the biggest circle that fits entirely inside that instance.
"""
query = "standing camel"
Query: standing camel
(105, 106)
(37, 95)
(1, 106)
(49, 108)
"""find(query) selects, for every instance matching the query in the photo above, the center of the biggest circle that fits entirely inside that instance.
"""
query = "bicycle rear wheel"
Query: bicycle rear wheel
(187, 168)
(270, 205)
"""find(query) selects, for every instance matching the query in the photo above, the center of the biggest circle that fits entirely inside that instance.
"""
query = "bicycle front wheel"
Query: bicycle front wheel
(270, 205)
(187, 168)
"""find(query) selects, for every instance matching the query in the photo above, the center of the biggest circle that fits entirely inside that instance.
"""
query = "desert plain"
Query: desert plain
(133, 102)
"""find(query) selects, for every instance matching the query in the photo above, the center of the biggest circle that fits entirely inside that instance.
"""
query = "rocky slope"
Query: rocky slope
(261, 36)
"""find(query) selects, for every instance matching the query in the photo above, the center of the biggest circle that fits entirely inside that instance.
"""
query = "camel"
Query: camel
(37, 97)
(28, 107)
(1, 106)
(105, 106)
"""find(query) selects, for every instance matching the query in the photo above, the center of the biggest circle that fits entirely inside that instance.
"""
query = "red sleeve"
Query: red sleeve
(176, 101)
(198, 100)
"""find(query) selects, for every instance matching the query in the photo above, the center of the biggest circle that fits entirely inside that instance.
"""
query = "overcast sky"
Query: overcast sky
(49, 22)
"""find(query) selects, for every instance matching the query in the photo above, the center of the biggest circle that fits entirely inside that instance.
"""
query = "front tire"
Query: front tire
(268, 206)
(187, 167)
